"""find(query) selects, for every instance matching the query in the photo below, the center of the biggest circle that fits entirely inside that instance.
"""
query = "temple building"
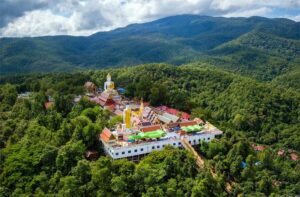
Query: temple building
(110, 96)
(90, 87)
(145, 128)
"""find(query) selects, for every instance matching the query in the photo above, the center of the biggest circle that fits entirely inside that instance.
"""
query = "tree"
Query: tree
(68, 156)
(69, 187)
(63, 104)
(8, 96)
(265, 185)
(82, 171)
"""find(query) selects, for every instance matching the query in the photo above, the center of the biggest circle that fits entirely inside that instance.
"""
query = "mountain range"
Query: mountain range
(258, 47)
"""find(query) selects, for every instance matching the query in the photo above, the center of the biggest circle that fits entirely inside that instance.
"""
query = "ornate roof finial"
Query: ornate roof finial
(108, 77)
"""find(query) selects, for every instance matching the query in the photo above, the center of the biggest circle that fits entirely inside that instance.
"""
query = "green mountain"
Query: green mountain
(259, 47)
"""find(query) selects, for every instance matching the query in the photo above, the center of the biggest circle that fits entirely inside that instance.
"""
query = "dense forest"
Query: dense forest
(42, 150)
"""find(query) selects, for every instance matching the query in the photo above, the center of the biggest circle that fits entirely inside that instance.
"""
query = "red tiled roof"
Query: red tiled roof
(258, 147)
(146, 104)
(104, 95)
(106, 135)
(185, 116)
(188, 123)
(111, 107)
(172, 111)
(150, 128)
(294, 157)
(102, 100)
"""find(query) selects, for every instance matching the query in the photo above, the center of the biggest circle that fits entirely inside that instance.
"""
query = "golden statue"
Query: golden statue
(141, 109)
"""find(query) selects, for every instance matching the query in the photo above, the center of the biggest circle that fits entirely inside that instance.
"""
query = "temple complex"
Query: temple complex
(109, 98)
(146, 128)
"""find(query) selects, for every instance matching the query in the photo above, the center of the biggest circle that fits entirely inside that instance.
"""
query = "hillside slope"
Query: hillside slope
(257, 54)
(177, 39)
(42, 151)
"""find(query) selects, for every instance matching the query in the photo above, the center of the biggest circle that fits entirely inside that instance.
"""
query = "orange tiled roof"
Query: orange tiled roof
(106, 135)
(150, 128)
(188, 123)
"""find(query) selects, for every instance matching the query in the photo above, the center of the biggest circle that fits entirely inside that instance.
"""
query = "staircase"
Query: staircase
(188, 146)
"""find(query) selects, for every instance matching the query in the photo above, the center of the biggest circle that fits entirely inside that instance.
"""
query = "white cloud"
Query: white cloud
(83, 17)
(294, 18)
(39, 22)
(252, 12)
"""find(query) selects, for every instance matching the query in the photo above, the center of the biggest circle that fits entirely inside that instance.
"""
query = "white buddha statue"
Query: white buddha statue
(109, 86)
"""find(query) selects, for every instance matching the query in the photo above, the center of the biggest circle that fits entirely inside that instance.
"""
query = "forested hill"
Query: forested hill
(42, 151)
(259, 47)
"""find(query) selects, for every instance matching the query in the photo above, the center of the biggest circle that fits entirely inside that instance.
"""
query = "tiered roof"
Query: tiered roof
(106, 135)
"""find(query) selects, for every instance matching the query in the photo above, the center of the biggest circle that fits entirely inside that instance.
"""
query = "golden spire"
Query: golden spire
(141, 108)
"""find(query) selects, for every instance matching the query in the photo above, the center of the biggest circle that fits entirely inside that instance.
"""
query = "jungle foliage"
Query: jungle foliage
(42, 150)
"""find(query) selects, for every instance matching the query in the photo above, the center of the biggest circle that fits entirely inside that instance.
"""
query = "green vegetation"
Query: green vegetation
(42, 151)
(257, 47)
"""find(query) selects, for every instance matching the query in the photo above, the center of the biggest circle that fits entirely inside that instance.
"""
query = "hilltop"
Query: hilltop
(259, 47)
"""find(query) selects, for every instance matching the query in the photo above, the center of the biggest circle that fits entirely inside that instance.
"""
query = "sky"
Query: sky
(19, 18)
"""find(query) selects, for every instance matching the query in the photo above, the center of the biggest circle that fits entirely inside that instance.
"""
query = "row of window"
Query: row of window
(199, 140)
(174, 144)
(153, 147)
(130, 151)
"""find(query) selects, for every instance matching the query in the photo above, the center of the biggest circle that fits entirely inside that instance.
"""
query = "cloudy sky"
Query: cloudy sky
(84, 17)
